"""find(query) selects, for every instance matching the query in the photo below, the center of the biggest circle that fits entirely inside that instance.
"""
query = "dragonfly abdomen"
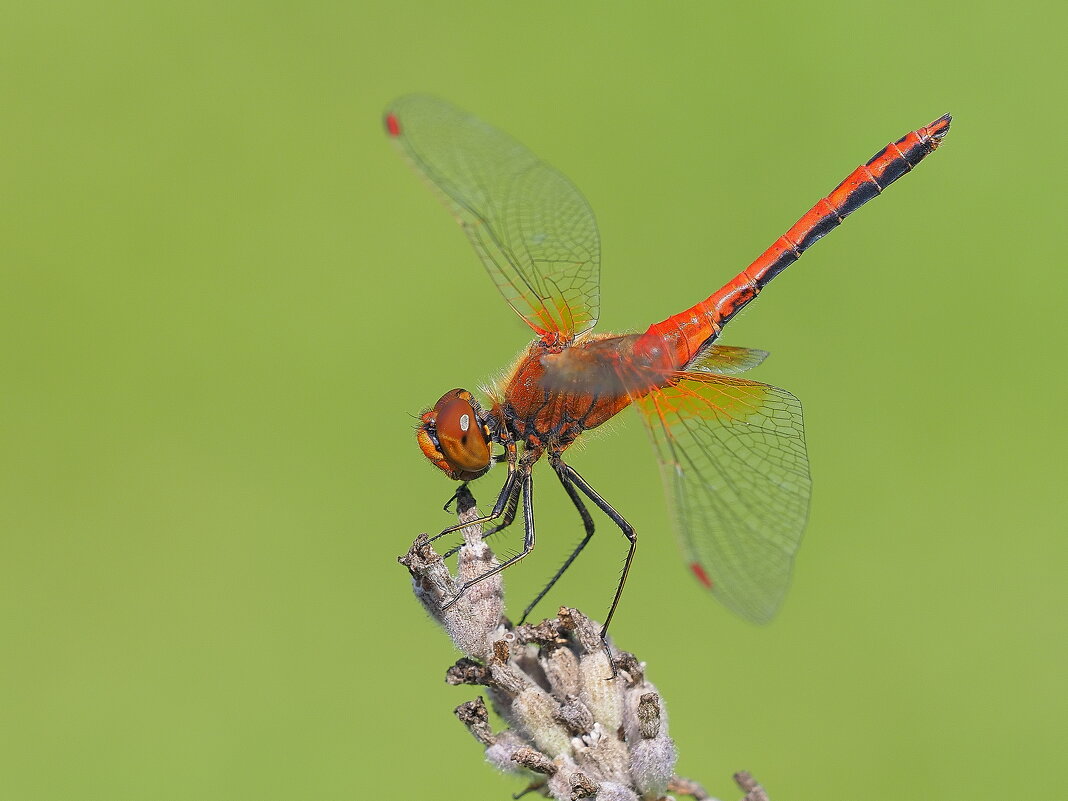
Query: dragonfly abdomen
(688, 333)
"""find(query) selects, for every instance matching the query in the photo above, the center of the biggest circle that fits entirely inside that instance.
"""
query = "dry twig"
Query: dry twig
(573, 732)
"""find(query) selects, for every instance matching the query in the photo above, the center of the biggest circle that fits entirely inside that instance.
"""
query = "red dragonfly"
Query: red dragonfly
(732, 451)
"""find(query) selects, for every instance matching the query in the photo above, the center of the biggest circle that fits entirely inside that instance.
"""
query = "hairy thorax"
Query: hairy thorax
(555, 392)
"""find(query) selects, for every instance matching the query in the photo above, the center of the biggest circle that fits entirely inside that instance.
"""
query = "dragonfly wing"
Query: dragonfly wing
(532, 228)
(728, 360)
(732, 455)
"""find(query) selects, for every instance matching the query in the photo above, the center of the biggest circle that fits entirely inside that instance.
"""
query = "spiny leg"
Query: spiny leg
(528, 537)
(587, 523)
(573, 477)
(502, 499)
(455, 496)
(509, 518)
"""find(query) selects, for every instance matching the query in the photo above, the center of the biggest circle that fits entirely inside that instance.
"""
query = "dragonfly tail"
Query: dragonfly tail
(688, 333)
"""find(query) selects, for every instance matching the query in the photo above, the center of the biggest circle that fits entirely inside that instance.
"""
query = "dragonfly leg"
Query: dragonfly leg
(454, 496)
(587, 523)
(528, 538)
(573, 477)
(509, 518)
(510, 487)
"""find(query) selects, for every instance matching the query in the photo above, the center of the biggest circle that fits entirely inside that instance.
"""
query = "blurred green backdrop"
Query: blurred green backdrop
(223, 297)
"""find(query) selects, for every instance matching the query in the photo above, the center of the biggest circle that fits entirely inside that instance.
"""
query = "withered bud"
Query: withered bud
(473, 714)
(508, 678)
(634, 670)
(649, 716)
(652, 751)
(544, 633)
(602, 754)
(535, 712)
(467, 671)
(588, 634)
(500, 651)
(561, 668)
(599, 691)
(536, 761)
(582, 786)
(431, 579)
(652, 765)
(575, 716)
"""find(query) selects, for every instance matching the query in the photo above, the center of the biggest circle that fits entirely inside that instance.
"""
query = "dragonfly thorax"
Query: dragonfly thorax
(454, 436)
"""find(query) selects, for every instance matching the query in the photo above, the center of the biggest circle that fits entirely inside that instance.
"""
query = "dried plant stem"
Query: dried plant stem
(573, 730)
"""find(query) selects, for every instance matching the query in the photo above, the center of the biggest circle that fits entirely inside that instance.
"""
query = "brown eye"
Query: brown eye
(453, 438)
(460, 436)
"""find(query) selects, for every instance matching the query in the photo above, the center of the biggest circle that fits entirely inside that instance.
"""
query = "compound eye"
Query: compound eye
(460, 435)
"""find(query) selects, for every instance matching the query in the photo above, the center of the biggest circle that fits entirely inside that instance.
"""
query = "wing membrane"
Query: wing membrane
(732, 455)
(728, 360)
(531, 227)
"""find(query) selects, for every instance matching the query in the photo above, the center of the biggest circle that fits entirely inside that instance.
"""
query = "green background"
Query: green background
(223, 298)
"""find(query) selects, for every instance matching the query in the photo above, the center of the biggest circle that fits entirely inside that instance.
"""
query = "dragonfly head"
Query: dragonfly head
(455, 437)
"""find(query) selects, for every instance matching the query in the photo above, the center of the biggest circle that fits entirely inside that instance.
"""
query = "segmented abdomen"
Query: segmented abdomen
(684, 335)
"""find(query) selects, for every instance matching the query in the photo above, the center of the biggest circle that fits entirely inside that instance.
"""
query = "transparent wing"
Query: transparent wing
(532, 229)
(728, 360)
(732, 455)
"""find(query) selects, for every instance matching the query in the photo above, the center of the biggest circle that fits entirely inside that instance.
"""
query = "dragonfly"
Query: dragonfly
(731, 450)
